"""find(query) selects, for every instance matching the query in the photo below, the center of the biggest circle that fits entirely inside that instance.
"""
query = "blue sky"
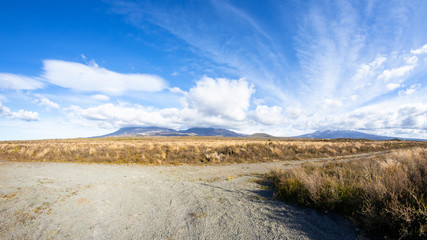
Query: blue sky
(86, 68)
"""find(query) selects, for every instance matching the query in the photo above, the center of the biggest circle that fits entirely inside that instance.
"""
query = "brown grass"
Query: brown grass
(385, 196)
(192, 150)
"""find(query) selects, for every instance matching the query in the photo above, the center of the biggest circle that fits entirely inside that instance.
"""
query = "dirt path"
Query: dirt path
(98, 201)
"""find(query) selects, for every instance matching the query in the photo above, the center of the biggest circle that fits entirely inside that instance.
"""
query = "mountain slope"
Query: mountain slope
(158, 131)
(334, 134)
(143, 131)
(260, 135)
(211, 132)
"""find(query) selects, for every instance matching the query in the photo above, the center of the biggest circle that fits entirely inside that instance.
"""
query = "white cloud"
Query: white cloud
(379, 116)
(48, 103)
(366, 71)
(92, 78)
(258, 101)
(395, 72)
(411, 60)
(18, 82)
(25, 115)
(293, 112)
(410, 89)
(176, 90)
(268, 115)
(333, 103)
(221, 97)
(392, 86)
(212, 102)
(20, 115)
(421, 50)
(340, 61)
(4, 111)
(113, 116)
(100, 97)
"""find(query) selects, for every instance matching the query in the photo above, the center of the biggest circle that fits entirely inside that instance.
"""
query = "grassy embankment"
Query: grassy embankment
(190, 150)
(386, 197)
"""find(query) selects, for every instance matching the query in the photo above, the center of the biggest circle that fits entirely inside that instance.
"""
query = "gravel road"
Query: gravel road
(100, 201)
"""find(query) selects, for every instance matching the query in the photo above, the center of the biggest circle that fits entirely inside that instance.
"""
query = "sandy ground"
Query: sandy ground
(100, 201)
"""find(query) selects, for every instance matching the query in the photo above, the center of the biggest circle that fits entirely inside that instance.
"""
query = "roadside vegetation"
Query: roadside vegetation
(386, 197)
(188, 150)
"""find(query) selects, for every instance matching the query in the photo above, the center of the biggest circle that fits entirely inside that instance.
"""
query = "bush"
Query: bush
(385, 197)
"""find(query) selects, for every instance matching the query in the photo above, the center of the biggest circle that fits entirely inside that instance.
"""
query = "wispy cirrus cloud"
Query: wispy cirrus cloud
(354, 52)
(261, 64)
(12, 81)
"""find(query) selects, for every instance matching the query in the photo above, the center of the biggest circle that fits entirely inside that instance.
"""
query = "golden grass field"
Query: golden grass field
(385, 196)
(188, 150)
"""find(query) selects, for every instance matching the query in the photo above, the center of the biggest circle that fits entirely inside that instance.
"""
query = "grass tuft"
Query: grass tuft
(385, 197)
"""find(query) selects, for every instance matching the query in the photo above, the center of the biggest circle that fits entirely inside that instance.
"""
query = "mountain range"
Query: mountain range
(320, 134)
(158, 131)
(335, 134)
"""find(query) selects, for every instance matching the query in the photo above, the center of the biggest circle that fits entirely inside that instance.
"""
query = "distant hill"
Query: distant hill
(143, 131)
(211, 132)
(260, 135)
(158, 131)
(334, 134)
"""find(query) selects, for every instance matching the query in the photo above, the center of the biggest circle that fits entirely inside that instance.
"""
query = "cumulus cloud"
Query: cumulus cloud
(268, 115)
(25, 115)
(48, 103)
(221, 97)
(421, 50)
(92, 78)
(379, 116)
(211, 102)
(20, 115)
(176, 90)
(18, 82)
(114, 116)
(117, 116)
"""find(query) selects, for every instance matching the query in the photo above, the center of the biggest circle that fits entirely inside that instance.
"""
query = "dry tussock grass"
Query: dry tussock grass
(177, 150)
(385, 196)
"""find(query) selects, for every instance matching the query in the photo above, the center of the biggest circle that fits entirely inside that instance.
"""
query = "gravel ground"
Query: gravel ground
(100, 201)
